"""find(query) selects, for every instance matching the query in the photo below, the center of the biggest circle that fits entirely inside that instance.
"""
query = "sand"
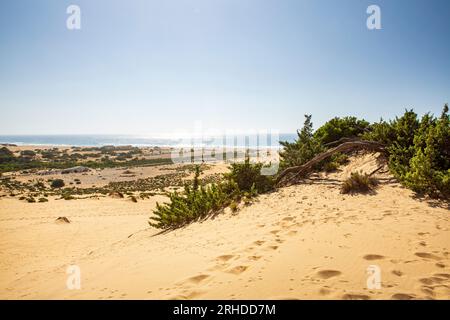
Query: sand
(306, 241)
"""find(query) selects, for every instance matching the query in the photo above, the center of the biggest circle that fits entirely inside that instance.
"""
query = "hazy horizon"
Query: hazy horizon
(159, 67)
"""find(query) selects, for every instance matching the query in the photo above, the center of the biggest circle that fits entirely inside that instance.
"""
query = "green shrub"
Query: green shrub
(43, 200)
(334, 162)
(189, 206)
(6, 155)
(303, 149)
(249, 178)
(338, 128)
(233, 206)
(67, 196)
(27, 153)
(428, 169)
(30, 199)
(57, 183)
(330, 166)
(197, 201)
(418, 149)
(309, 143)
(358, 182)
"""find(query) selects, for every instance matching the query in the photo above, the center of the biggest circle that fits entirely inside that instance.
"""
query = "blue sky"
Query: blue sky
(159, 66)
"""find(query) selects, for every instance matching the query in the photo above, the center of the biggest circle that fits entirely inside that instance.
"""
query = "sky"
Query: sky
(152, 67)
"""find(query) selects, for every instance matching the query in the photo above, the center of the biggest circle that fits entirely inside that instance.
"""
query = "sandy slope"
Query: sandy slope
(306, 241)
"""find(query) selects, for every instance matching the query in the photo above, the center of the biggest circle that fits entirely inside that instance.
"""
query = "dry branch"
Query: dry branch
(344, 147)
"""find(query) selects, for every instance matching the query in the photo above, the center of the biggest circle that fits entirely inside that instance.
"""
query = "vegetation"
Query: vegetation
(17, 164)
(358, 182)
(57, 183)
(6, 156)
(145, 187)
(197, 201)
(57, 159)
(303, 149)
(248, 176)
(338, 128)
(309, 143)
(418, 149)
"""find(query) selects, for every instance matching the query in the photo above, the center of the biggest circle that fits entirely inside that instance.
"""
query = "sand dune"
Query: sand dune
(305, 241)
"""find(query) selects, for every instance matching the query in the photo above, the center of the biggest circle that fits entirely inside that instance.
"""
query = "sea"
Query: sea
(240, 140)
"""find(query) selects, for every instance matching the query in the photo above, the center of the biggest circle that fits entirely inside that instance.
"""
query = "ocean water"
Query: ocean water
(241, 140)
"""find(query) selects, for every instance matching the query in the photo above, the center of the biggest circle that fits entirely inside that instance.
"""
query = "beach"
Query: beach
(305, 241)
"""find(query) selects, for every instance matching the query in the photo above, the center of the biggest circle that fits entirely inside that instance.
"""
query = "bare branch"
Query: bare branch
(344, 147)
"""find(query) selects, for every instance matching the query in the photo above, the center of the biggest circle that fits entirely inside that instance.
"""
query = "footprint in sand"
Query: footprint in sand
(259, 242)
(431, 280)
(292, 233)
(398, 273)
(237, 270)
(198, 279)
(326, 274)
(349, 296)
(427, 255)
(187, 296)
(402, 296)
(225, 257)
(371, 257)
(254, 258)
(324, 291)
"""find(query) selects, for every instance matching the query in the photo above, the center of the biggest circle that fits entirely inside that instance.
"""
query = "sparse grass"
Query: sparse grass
(359, 183)
(233, 206)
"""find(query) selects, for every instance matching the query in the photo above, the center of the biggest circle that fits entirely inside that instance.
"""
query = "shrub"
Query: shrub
(57, 183)
(30, 199)
(234, 206)
(419, 150)
(248, 177)
(330, 166)
(337, 128)
(334, 162)
(309, 144)
(67, 196)
(189, 205)
(303, 149)
(27, 153)
(429, 167)
(6, 155)
(358, 182)
(196, 201)
(43, 200)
